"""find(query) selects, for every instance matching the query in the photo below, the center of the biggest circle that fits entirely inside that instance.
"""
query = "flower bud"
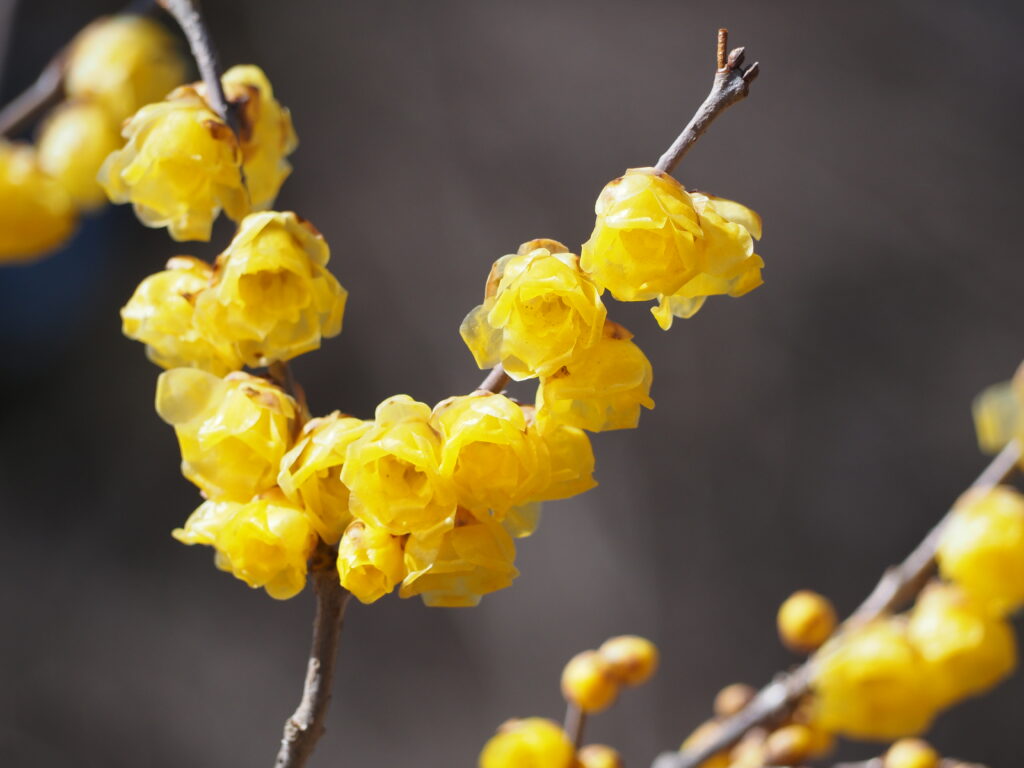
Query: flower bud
(598, 756)
(631, 660)
(805, 621)
(73, 143)
(732, 699)
(789, 745)
(911, 753)
(530, 743)
(588, 682)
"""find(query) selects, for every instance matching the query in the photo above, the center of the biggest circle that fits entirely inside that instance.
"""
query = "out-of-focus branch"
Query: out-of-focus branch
(305, 727)
(877, 762)
(205, 55)
(45, 92)
(731, 84)
(897, 587)
(575, 722)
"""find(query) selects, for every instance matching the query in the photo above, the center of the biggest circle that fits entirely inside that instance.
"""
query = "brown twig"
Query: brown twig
(45, 92)
(305, 727)
(205, 55)
(897, 587)
(877, 762)
(731, 84)
(496, 380)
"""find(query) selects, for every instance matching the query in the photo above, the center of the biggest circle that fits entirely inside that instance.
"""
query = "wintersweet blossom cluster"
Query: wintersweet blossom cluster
(113, 67)
(591, 682)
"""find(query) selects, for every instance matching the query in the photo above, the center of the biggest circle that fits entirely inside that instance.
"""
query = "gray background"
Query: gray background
(805, 435)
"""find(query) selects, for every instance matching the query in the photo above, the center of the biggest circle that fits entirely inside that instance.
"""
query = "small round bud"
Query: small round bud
(790, 744)
(733, 698)
(805, 621)
(911, 753)
(598, 756)
(632, 659)
(534, 741)
(587, 682)
(703, 734)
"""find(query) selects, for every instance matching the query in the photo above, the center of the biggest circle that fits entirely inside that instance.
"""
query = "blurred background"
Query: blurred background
(806, 435)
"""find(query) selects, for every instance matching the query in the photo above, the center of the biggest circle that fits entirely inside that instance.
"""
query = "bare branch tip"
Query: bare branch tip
(723, 44)
(735, 59)
(752, 72)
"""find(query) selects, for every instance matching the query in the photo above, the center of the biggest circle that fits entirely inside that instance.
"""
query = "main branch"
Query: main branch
(897, 587)
(45, 92)
(305, 727)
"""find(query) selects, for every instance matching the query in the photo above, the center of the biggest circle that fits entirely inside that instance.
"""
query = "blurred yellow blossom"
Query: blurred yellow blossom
(311, 471)
(272, 297)
(967, 650)
(604, 388)
(997, 415)
(871, 683)
(265, 542)
(631, 659)
(530, 743)
(599, 756)
(805, 621)
(645, 241)
(233, 432)
(36, 213)
(266, 134)
(124, 62)
(180, 167)
(589, 683)
(726, 262)
(982, 547)
(370, 562)
(456, 568)
(393, 472)
(493, 459)
(571, 462)
(73, 143)
(912, 753)
(539, 312)
(160, 314)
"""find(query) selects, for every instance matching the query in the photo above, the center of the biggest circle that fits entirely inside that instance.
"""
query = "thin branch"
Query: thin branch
(45, 92)
(496, 380)
(205, 55)
(731, 84)
(575, 722)
(897, 587)
(877, 762)
(304, 728)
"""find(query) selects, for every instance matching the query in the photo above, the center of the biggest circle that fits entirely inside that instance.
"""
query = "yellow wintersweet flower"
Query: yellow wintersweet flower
(967, 650)
(36, 214)
(160, 313)
(871, 683)
(645, 241)
(75, 140)
(588, 682)
(370, 562)
(394, 472)
(267, 136)
(180, 167)
(531, 743)
(124, 62)
(982, 547)
(725, 259)
(265, 543)
(311, 471)
(539, 312)
(493, 459)
(521, 522)
(997, 415)
(233, 432)
(599, 756)
(572, 462)
(604, 388)
(272, 297)
(456, 568)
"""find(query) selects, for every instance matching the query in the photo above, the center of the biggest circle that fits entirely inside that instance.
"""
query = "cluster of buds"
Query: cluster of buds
(591, 682)
(112, 68)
